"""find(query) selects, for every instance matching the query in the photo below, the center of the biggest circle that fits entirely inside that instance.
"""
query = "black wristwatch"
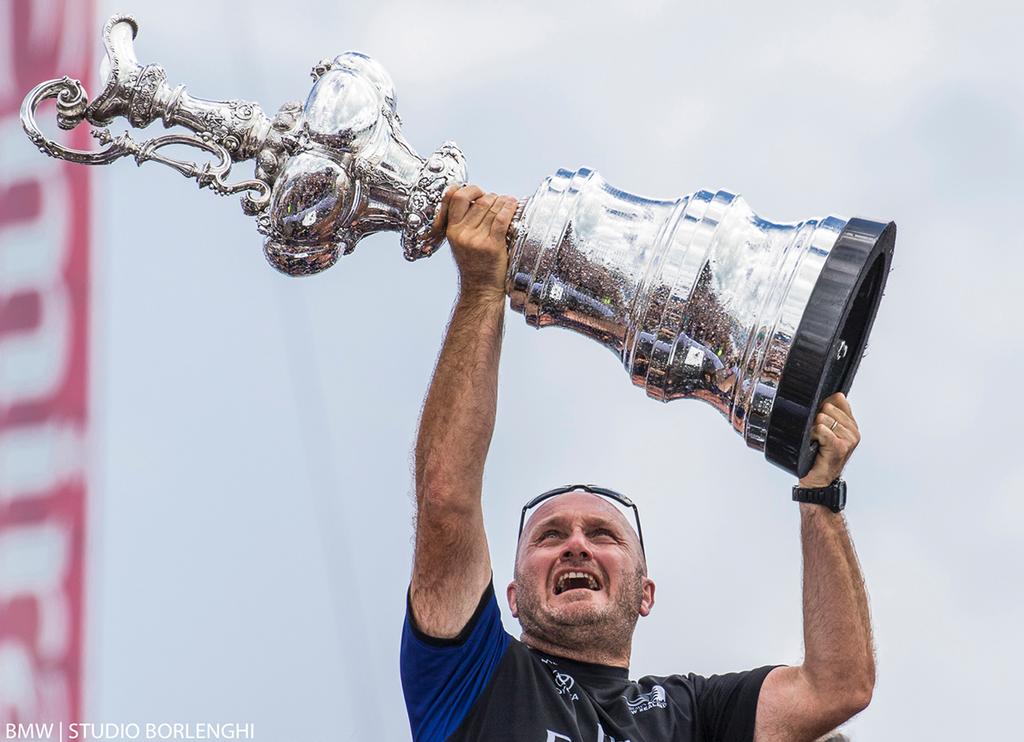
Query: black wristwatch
(833, 497)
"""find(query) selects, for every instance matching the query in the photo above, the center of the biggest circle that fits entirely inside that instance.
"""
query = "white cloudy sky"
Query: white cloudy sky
(251, 491)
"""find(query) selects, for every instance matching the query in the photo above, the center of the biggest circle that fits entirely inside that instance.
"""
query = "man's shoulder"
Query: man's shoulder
(650, 691)
(697, 690)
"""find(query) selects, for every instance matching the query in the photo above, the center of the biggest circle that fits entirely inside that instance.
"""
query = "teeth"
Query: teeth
(591, 582)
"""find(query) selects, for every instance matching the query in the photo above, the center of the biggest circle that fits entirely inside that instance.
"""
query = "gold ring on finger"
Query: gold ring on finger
(834, 424)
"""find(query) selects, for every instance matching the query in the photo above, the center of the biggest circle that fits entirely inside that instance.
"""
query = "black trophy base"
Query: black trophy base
(830, 340)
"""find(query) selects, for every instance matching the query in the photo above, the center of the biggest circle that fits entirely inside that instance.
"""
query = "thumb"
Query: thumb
(460, 202)
(442, 213)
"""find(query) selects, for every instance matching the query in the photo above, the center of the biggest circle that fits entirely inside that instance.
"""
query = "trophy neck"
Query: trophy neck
(386, 171)
(579, 252)
(698, 297)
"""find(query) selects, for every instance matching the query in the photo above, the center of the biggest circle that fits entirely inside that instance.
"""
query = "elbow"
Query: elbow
(855, 696)
(840, 699)
(865, 688)
(860, 698)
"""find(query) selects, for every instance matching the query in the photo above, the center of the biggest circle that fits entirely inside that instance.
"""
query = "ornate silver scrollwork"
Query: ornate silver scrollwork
(327, 173)
(72, 103)
(140, 94)
(324, 65)
(443, 167)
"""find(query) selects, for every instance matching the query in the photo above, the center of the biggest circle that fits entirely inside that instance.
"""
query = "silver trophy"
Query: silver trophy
(698, 296)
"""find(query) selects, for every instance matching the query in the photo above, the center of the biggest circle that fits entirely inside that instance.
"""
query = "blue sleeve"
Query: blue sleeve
(442, 678)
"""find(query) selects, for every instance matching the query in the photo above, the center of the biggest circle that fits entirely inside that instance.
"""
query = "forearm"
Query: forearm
(837, 677)
(838, 649)
(458, 416)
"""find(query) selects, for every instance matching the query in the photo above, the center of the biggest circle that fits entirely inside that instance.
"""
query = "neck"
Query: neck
(613, 657)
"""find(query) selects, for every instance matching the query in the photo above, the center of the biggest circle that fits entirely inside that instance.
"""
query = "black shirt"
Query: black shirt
(486, 685)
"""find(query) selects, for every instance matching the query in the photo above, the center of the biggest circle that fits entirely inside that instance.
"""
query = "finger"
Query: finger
(830, 422)
(461, 201)
(442, 212)
(828, 444)
(821, 433)
(503, 219)
(839, 400)
(844, 404)
(479, 210)
(843, 433)
(848, 433)
(488, 220)
(838, 414)
(826, 437)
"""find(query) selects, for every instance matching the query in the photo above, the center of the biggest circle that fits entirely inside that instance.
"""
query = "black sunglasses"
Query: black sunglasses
(594, 490)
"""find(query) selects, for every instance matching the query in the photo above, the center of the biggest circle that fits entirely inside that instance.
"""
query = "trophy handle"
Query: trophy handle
(72, 103)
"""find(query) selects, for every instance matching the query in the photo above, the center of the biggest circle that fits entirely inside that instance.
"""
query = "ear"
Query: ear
(647, 601)
(510, 594)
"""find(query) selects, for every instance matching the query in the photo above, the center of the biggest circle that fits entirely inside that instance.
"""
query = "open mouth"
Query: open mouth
(576, 581)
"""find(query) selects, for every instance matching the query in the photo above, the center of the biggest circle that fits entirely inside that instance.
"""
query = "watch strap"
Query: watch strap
(833, 497)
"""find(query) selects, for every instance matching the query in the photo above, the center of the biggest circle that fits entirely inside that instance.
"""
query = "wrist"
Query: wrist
(814, 482)
(831, 496)
(481, 297)
(813, 510)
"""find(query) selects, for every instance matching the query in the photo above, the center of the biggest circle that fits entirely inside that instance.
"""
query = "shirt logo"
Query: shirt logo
(647, 701)
(563, 680)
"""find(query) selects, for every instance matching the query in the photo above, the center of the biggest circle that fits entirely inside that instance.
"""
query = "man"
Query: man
(581, 576)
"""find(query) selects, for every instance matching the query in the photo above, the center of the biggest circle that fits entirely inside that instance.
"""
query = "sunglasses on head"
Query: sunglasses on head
(592, 489)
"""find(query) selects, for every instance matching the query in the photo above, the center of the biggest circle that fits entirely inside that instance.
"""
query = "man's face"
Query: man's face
(579, 573)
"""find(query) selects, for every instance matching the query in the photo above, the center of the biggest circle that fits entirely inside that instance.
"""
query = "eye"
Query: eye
(549, 534)
(604, 534)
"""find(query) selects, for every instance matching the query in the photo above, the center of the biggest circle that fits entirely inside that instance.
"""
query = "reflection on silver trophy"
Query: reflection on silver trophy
(698, 296)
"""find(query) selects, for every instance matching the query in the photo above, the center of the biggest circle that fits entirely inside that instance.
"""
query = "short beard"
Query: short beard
(609, 632)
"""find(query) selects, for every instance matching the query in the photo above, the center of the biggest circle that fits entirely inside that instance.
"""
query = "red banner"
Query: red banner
(44, 282)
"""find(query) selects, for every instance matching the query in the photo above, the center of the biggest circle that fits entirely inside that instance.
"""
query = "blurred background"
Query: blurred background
(205, 487)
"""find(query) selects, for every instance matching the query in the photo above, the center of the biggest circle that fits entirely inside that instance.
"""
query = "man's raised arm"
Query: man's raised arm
(837, 676)
(452, 565)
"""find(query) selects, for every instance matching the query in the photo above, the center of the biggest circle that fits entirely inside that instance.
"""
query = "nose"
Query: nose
(576, 546)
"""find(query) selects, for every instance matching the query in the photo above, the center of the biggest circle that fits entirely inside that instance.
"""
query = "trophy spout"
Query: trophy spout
(119, 71)
(140, 94)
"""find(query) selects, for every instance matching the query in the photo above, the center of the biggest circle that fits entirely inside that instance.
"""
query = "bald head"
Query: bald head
(580, 507)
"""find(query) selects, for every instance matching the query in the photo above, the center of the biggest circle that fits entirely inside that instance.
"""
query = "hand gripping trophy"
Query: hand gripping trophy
(698, 296)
